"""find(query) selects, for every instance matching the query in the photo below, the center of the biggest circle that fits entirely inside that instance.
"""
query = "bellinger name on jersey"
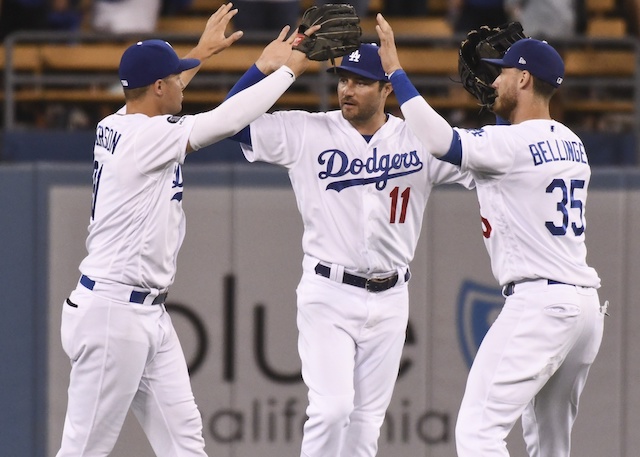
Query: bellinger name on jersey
(557, 150)
(378, 168)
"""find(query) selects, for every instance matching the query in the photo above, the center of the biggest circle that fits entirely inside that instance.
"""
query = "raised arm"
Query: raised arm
(274, 55)
(431, 128)
(246, 106)
(243, 107)
(213, 39)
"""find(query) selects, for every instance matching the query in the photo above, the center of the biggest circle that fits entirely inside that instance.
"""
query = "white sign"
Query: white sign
(233, 305)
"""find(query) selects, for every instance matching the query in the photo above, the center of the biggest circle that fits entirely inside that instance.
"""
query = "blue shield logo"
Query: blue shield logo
(478, 307)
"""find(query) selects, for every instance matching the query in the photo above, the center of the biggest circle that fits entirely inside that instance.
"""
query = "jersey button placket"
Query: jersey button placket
(368, 206)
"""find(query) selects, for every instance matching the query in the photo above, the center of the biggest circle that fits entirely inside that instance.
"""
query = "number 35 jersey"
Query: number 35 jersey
(362, 203)
(531, 180)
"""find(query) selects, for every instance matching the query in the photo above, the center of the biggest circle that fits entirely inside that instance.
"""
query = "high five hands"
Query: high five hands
(388, 52)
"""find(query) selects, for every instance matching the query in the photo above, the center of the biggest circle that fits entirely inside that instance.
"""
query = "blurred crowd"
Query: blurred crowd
(540, 18)
(105, 16)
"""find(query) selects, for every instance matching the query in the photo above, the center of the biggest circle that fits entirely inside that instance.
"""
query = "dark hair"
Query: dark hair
(131, 95)
(543, 88)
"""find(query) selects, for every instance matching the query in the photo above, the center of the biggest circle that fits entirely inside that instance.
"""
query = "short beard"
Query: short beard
(361, 116)
(504, 106)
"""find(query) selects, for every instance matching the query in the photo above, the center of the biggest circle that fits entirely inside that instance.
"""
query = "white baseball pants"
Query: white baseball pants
(126, 355)
(350, 344)
(533, 362)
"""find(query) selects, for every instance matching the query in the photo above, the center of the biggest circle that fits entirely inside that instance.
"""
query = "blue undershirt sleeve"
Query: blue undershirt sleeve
(250, 77)
(243, 136)
(403, 87)
(405, 91)
(454, 154)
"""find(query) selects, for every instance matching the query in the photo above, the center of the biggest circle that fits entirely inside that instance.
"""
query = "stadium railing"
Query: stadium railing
(602, 74)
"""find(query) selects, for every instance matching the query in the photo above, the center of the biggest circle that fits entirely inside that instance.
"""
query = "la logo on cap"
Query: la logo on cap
(354, 56)
(521, 61)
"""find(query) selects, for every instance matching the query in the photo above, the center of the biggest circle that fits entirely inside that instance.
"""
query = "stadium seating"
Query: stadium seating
(601, 69)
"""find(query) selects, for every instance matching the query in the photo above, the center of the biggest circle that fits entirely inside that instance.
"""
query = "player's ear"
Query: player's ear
(158, 86)
(387, 88)
(526, 78)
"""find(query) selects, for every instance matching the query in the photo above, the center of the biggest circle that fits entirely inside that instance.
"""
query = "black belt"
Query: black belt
(135, 297)
(510, 288)
(370, 284)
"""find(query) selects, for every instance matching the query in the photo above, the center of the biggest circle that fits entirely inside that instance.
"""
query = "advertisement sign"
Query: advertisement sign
(234, 307)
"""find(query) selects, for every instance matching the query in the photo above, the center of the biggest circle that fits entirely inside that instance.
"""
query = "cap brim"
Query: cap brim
(187, 64)
(498, 62)
(356, 71)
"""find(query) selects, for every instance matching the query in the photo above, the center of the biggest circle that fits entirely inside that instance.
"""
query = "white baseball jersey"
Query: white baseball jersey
(361, 203)
(137, 223)
(124, 351)
(532, 181)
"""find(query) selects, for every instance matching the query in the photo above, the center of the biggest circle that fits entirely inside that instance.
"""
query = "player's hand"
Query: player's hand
(276, 53)
(298, 60)
(388, 52)
(213, 39)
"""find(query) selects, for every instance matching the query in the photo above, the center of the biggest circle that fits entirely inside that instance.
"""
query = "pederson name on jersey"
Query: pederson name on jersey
(107, 138)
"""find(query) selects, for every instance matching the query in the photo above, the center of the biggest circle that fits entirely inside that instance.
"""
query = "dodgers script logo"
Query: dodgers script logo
(478, 307)
(376, 169)
(177, 183)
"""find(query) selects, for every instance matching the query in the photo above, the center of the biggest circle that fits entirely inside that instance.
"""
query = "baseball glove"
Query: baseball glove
(339, 32)
(477, 76)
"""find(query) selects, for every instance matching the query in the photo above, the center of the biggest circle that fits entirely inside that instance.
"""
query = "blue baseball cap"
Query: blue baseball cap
(147, 61)
(537, 57)
(364, 61)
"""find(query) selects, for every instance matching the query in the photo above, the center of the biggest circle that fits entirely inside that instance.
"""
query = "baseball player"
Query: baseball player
(361, 180)
(115, 329)
(532, 178)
